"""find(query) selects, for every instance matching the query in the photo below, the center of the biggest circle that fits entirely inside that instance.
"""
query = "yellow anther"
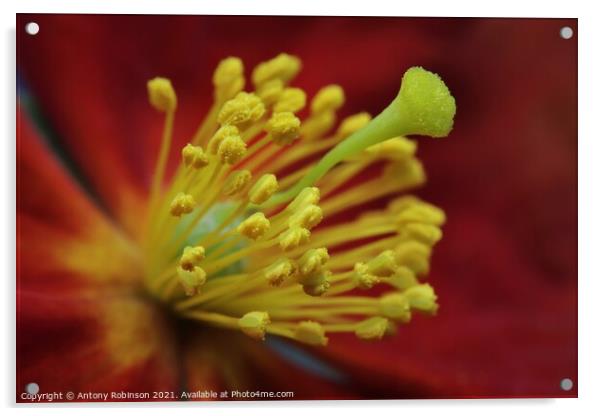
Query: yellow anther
(191, 280)
(403, 202)
(383, 265)
(372, 328)
(182, 204)
(291, 99)
(423, 298)
(395, 149)
(403, 278)
(193, 156)
(395, 306)
(283, 128)
(236, 182)
(284, 67)
(219, 136)
(254, 324)
(425, 233)
(231, 150)
(271, 91)
(413, 255)
(317, 284)
(353, 123)
(317, 125)
(228, 78)
(254, 227)
(307, 196)
(161, 94)
(293, 238)
(421, 213)
(363, 278)
(328, 99)
(279, 271)
(311, 333)
(312, 261)
(263, 189)
(307, 217)
(405, 173)
(242, 110)
(191, 257)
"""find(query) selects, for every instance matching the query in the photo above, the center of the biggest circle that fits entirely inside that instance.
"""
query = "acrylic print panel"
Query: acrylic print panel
(237, 208)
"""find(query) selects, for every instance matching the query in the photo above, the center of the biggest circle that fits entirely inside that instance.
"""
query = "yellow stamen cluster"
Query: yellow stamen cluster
(262, 250)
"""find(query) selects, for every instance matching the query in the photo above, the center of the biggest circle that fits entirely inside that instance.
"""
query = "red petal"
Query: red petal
(506, 269)
(101, 342)
(79, 325)
(60, 232)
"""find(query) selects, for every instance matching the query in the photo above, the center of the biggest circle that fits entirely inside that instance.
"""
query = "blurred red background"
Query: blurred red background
(506, 269)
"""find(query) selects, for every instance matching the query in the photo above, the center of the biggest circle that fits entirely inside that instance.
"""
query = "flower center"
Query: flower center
(252, 234)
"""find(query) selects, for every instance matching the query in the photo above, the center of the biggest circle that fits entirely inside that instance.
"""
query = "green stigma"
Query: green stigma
(424, 106)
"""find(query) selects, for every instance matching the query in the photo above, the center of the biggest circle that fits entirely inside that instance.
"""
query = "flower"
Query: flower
(427, 366)
(253, 259)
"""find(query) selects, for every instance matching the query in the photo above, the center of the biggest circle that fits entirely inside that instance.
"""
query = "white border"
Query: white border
(590, 202)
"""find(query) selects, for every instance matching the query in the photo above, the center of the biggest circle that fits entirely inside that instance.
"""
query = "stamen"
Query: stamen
(312, 261)
(162, 95)
(318, 125)
(228, 78)
(194, 157)
(283, 67)
(372, 328)
(182, 204)
(191, 257)
(241, 111)
(395, 306)
(270, 91)
(290, 100)
(423, 298)
(254, 324)
(263, 189)
(163, 98)
(414, 255)
(255, 226)
(316, 284)
(281, 270)
(231, 150)
(311, 333)
(293, 238)
(329, 98)
(283, 128)
(191, 280)
(220, 135)
(272, 265)
(307, 217)
(236, 182)
(352, 124)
